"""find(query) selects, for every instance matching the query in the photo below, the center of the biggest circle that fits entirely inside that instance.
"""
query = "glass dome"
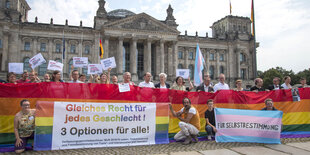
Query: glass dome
(120, 13)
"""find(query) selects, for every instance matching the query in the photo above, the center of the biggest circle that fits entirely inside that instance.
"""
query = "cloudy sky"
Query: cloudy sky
(282, 26)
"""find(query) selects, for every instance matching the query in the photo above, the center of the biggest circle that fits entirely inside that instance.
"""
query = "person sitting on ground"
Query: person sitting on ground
(210, 120)
(162, 81)
(147, 81)
(33, 76)
(24, 78)
(180, 84)
(238, 86)
(303, 83)
(221, 85)
(46, 78)
(190, 124)
(276, 84)
(24, 126)
(286, 84)
(75, 77)
(206, 85)
(127, 78)
(269, 104)
(114, 79)
(11, 78)
(258, 85)
(56, 77)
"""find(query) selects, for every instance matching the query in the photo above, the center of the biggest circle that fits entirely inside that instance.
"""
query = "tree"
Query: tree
(268, 76)
(304, 74)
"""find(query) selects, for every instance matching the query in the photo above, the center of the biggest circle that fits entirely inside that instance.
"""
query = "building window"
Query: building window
(242, 57)
(191, 55)
(0, 43)
(239, 28)
(212, 56)
(58, 47)
(27, 46)
(87, 49)
(126, 57)
(180, 66)
(244, 29)
(140, 65)
(221, 57)
(180, 55)
(211, 70)
(26, 64)
(222, 69)
(72, 49)
(42, 69)
(43, 47)
(191, 71)
(7, 4)
(243, 74)
(234, 26)
(85, 70)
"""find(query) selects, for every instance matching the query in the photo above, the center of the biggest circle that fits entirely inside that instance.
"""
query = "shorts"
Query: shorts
(25, 140)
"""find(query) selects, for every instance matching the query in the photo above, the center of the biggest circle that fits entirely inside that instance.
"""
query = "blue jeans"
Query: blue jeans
(209, 130)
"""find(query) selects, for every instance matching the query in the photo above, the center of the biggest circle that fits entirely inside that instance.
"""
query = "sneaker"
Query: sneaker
(195, 138)
(209, 137)
(188, 140)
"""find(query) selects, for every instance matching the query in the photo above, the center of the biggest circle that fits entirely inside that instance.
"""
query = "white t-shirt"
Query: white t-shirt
(144, 84)
(162, 86)
(191, 110)
(220, 86)
(286, 86)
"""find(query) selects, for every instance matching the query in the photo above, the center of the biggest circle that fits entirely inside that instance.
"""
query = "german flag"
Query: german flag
(101, 51)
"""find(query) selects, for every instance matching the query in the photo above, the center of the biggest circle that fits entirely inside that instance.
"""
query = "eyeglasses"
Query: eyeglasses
(26, 105)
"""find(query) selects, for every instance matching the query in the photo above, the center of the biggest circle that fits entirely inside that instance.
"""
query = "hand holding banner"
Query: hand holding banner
(17, 68)
(94, 69)
(80, 62)
(36, 61)
(54, 65)
(183, 73)
(108, 63)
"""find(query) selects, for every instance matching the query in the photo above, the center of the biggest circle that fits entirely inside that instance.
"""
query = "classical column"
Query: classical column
(106, 47)
(162, 56)
(5, 51)
(186, 58)
(50, 49)
(157, 67)
(80, 51)
(119, 58)
(207, 71)
(35, 46)
(238, 63)
(170, 62)
(175, 57)
(147, 56)
(133, 59)
(217, 70)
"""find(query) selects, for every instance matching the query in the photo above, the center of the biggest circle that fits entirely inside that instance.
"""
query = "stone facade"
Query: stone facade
(138, 42)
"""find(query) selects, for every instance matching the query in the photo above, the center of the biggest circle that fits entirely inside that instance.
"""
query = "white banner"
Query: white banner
(36, 61)
(80, 62)
(108, 63)
(54, 65)
(89, 125)
(94, 69)
(183, 73)
(17, 68)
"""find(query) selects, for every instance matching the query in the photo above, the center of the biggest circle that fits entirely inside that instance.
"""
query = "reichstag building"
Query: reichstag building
(139, 43)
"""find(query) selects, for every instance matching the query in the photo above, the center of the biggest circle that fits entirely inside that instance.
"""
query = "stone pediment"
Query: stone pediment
(141, 22)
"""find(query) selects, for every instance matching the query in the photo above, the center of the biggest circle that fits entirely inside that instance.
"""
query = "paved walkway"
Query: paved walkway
(298, 146)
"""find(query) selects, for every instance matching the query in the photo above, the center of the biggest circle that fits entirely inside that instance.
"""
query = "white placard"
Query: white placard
(36, 61)
(123, 87)
(183, 73)
(94, 69)
(108, 63)
(54, 65)
(80, 62)
(90, 125)
(17, 68)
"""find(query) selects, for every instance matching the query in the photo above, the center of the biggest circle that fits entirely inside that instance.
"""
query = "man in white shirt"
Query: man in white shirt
(147, 81)
(286, 84)
(221, 85)
(75, 77)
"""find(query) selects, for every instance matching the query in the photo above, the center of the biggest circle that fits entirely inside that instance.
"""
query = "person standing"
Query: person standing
(276, 84)
(11, 78)
(162, 81)
(24, 78)
(147, 81)
(180, 84)
(286, 84)
(258, 85)
(75, 77)
(127, 78)
(206, 85)
(221, 85)
(303, 83)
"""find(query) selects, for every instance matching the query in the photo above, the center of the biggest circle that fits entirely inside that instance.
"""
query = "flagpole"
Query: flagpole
(254, 35)
(63, 52)
(99, 48)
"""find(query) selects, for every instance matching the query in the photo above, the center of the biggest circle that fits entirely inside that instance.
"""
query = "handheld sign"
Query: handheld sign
(183, 73)
(108, 63)
(94, 69)
(36, 61)
(80, 62)
(54, 65)
(17, 68)
(123, 87)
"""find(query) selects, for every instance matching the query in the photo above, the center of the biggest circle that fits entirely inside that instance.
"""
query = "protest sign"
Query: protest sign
(108, 63)
(254, 126)
(123, 87)
(54, 65)
(183, 73)
(17, 68)
(94, 69)
(36, 61)
(80, 62)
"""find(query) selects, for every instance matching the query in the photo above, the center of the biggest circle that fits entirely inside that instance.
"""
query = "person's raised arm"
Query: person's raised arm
(108, 76)
(190, 84)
